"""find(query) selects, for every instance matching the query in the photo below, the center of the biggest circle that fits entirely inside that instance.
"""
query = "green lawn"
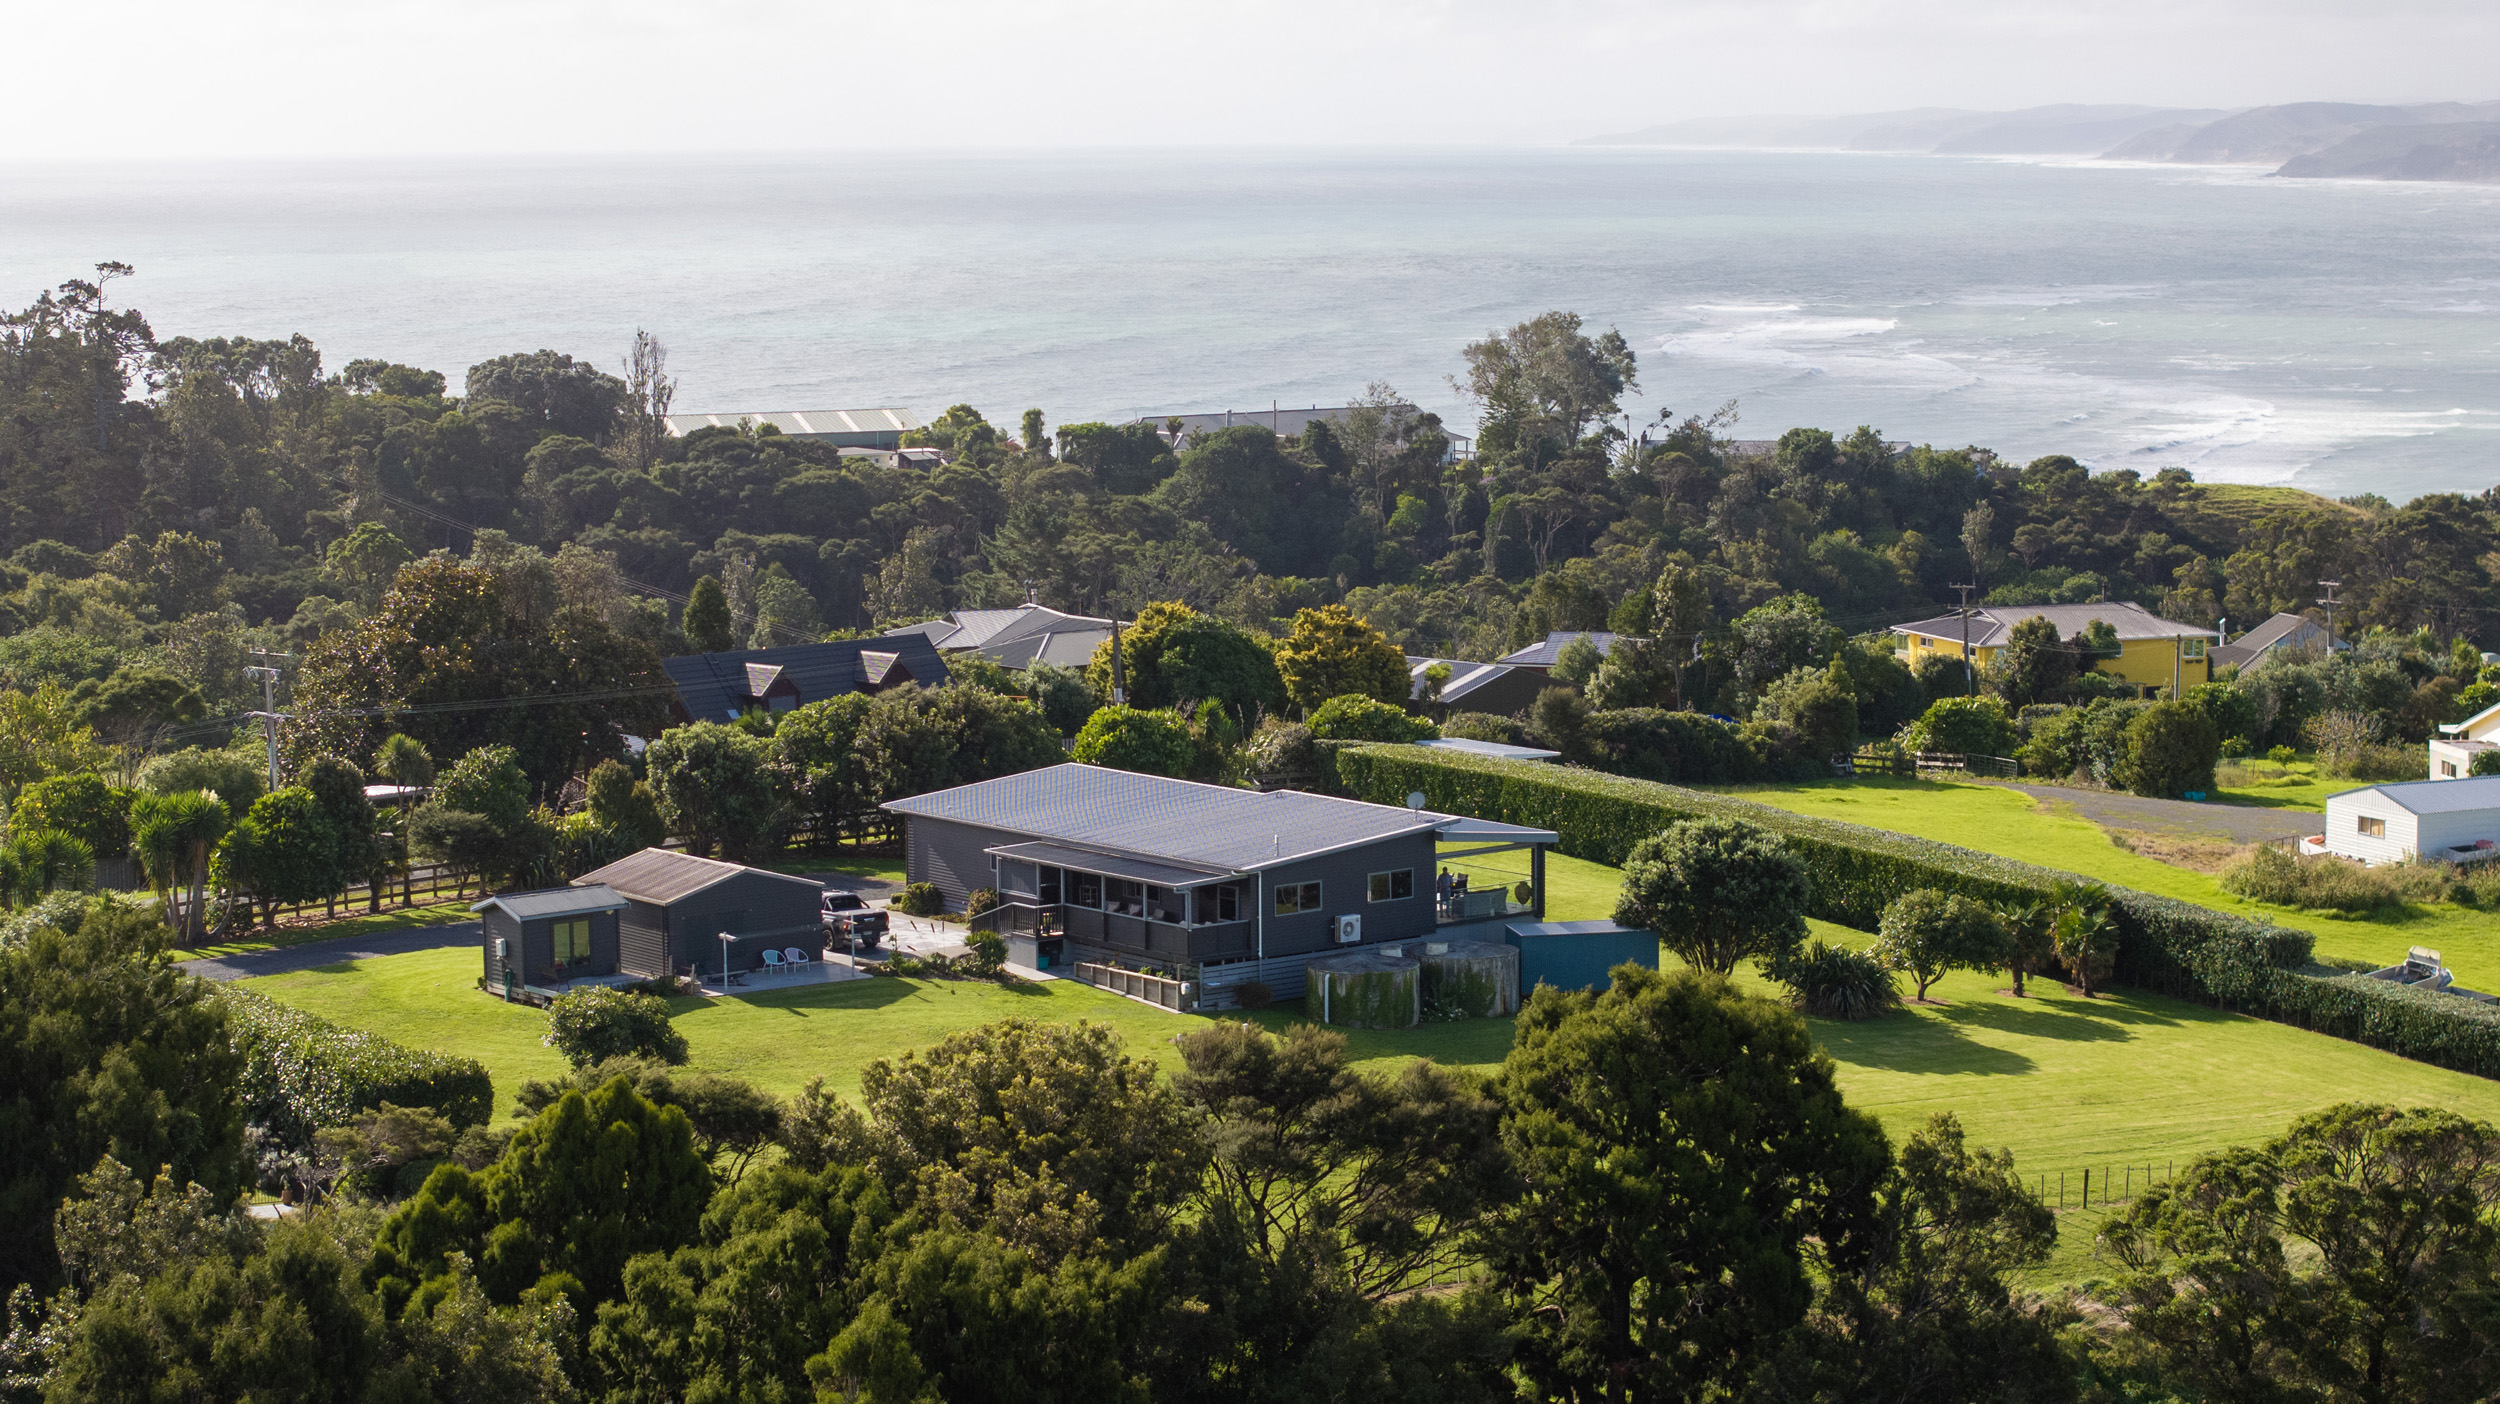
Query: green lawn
(2011, 823)
(2262, 782)
(361, 924)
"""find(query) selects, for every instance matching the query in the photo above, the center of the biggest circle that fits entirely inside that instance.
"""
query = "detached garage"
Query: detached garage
(677, 907)
(2457, 821)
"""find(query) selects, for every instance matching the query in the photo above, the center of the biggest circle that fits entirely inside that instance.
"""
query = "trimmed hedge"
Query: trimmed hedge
(301, 1072)
(2165, 946)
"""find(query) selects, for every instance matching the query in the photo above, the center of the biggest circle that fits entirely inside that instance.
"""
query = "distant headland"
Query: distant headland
(2455, 141)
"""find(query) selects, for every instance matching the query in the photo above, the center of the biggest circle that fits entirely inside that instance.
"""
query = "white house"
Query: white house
(2455, 820)
(2454, 748)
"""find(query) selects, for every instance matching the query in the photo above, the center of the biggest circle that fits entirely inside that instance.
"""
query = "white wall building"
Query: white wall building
(2454, 820)
(2454, 748)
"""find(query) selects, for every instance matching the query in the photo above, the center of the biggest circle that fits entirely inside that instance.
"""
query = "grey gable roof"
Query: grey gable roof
(2435, 796)
(555, 902)
(715, 686)
(1208, 826)
(660, 876)
(1992, 625)
(1543, 655)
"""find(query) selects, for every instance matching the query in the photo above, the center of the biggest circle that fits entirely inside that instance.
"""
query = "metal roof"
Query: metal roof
(887, 421)
(719, 686)
(1118, 865)
(661, 876)
(1465, 677)
(1992, 625)
(1492, 749)
(555, 902)
(2434, 796)
(1177, 821)
(1543, 655)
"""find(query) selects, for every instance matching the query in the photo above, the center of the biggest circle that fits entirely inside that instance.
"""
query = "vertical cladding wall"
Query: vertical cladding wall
(642, 941)
(1344, 891)
(954, 856)
(499, 926)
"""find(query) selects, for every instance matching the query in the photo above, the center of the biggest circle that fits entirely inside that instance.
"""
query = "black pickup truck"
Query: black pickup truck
(847, 914)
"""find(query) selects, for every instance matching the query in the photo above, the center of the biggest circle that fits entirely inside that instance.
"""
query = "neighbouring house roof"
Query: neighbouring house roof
(1494, 749)
(720, 686)
(2280, 631)
(1285, 422)
(1465, 677)
(858, 425)
(555, 902)
(1992, 625)
(1542, 655)
(1020, 637)
(393, 794)
(1180, 822)
(661, 876)
(2434, 796)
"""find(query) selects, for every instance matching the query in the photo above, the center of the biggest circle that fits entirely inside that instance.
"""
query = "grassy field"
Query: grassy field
(361, 924)
(2012, 823)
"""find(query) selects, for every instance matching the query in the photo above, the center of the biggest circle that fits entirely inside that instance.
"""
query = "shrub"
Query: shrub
(2267, 874)
(302, 1073)
(593, 1025)
(1676, 747)
(82, 806)
(2171, 749)
(1717, 891)
(1281, 753)
(1355, 717)
(1926, 933)
(1484, 726)
(2272, 874)
(1974, 726)
(980, 901)
(919, 899)
(989, 954)
(2485, 763)
(1125, 738)
(1835, 982)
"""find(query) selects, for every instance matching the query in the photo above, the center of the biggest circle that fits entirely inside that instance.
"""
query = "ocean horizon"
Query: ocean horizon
(2334, 335)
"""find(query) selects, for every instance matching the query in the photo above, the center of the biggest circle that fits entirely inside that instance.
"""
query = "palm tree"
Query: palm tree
(401, 760)
(174, 835)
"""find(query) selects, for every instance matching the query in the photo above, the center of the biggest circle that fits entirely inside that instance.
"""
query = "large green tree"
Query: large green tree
(1717, 892)
(719, 787)
(1681, 1145)
(1174, 654)
(1330, 653)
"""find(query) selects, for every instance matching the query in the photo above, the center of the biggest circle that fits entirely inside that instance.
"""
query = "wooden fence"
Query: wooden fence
(1136, 984)
(1908, 764)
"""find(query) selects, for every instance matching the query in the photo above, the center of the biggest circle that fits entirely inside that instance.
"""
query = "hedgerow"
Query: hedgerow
(301, 1072)
(2166, 946)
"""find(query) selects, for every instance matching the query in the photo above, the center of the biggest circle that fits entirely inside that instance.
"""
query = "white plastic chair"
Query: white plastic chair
(772, 961)
(796, 958)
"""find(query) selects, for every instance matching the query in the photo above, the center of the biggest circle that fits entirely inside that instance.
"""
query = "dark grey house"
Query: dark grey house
(674, 909)
(541, 941)
(1499, 688)
(1093, 864)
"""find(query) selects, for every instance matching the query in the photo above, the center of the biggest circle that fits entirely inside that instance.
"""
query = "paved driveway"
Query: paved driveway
(316, 953)
(2227, 823)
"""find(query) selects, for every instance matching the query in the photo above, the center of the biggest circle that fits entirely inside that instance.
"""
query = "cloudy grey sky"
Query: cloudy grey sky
(286, 77)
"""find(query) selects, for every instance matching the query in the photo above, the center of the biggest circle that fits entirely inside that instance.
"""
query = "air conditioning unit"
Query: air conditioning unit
(1349, 930)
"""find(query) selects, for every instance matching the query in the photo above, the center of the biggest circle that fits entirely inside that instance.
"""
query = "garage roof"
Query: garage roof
(660, 876)
(2434, 796)
(555, 902)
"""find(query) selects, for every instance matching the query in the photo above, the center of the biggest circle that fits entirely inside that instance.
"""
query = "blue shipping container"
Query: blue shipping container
(1575, 955)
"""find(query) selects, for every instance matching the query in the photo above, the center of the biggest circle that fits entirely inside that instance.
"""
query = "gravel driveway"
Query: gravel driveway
(2224, 823)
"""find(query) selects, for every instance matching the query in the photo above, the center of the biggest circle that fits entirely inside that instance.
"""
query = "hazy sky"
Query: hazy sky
(279, 77)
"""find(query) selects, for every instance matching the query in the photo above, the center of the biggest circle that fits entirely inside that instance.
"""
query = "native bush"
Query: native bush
(1834, 982)
(919, 899)
(593, 1025)
(301, 1072)
(1355, 717)
(1975, 726)
(980, 901)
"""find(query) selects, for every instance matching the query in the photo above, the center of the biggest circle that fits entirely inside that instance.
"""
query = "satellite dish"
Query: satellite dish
(1414, 799)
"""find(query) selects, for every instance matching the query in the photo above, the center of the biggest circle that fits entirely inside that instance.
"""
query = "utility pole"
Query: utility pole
(1970, 675)
(267, 677)
(2329, 601)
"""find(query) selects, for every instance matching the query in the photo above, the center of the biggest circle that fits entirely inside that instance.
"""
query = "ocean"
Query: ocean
(2338, 336)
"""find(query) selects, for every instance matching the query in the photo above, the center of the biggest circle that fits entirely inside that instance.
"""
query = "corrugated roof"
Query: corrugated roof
(719, 686)
(2435, 796)
(555, 902)
(810, 423)
(1992, 625)
(661, 876)
(1181, 821)
(1542, 655)
(1119, 865)
(1465, 677)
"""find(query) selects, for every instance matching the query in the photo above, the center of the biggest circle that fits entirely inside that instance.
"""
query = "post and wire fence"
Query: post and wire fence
(2108, 1185)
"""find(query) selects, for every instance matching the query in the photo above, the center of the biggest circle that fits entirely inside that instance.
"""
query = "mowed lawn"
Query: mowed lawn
(2009, 822)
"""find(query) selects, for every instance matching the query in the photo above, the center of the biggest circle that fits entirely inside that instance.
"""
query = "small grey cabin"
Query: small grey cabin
(539, 942)
(676, 907)
(1211, 883)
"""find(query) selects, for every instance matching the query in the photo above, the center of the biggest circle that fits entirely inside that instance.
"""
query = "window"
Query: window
(1294, 897)
(1084, 890)
(2448, 770)
(1167, 904)
(1390, 886)
(1050, 887)
(572, 938)
(2375, 828)
(1219, 903)
(2191, 649)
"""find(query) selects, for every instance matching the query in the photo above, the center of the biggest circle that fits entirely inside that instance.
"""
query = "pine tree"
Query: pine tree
(707, 617)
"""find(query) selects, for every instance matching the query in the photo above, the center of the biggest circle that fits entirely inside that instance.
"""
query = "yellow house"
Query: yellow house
(2159, 657)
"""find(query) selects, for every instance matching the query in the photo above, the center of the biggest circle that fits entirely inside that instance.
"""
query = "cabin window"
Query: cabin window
(1084, 890)
(572, 939)
(1392, 885)
(2375, 828)
(2191, 649)
(1295, 897)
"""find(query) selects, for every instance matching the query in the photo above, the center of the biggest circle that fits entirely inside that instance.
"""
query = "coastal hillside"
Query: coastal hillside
(2420, 141)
